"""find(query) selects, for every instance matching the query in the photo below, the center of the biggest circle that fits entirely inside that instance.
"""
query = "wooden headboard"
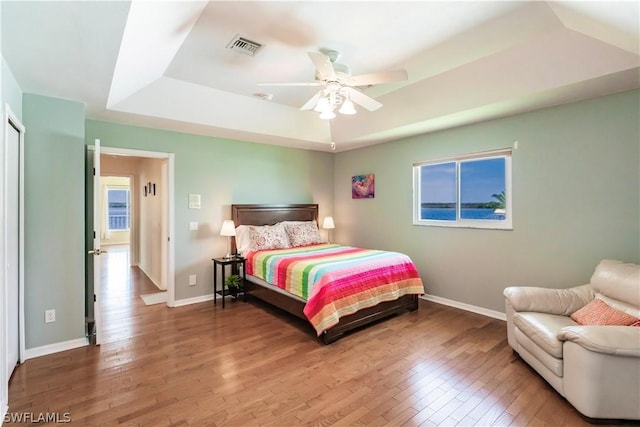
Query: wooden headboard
(271, 214)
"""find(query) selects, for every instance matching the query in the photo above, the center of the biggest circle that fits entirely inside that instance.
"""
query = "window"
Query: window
(118, 208)
(467, 191)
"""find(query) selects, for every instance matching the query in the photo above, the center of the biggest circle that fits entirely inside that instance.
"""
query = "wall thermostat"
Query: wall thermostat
(194, 201)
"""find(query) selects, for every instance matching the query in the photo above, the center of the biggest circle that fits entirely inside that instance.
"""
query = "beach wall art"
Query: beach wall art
(363, 186)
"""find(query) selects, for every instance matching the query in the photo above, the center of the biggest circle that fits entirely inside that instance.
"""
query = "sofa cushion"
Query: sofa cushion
(597, 312)
(618, 280)
(543, 362)
(548, 300)
(543, 328)
(616, 340)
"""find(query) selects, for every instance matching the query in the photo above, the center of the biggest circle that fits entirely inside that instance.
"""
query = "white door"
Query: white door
(12, 249)
(96, 251)
(164, 224)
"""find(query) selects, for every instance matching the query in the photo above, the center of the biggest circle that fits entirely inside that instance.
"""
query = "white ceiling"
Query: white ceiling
(165, 64)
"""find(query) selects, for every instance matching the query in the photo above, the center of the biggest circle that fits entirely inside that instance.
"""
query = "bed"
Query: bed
(328, 325)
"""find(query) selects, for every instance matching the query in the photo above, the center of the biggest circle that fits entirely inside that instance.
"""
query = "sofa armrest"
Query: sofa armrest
(544, 300)
(617, 340)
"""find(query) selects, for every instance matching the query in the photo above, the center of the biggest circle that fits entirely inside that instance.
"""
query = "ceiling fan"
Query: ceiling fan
(339, 86)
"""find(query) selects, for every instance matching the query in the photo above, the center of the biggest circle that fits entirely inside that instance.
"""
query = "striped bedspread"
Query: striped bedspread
(336, 280)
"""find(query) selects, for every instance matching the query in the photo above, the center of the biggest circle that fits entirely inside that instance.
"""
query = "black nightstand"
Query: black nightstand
(235, 263)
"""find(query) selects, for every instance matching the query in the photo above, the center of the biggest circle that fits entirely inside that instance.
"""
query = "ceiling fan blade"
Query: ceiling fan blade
(376, 78)
(292, 84)
(362, 99)
(310, 104)
(323, 65)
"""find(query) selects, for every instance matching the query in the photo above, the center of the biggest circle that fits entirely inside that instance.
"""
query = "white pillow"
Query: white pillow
(243, 241)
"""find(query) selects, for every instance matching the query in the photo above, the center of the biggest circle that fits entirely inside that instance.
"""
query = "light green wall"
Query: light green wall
(223, 172)
(11, 92)
(576, 200)
(54, 219)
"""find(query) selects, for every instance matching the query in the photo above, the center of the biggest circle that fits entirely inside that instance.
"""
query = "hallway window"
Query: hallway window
(118, 208)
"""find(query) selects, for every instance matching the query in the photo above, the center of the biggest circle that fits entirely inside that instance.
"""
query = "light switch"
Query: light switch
(193, 225)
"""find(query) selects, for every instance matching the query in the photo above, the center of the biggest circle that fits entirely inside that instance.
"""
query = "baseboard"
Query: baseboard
(31, 353)
(467, 307)
(150, 278)
(194, 300)
(439, 300)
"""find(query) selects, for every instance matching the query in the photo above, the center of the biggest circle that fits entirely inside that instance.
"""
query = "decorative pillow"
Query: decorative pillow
(268, 237)
(637, 323)
(597, 312)
(303, 234)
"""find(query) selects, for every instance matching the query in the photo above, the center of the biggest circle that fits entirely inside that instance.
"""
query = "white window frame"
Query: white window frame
(506, 224)
(128, 190)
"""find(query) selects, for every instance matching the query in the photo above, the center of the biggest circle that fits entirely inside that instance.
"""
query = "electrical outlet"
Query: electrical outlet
(192, 280)
(49, 316)
(193, 226)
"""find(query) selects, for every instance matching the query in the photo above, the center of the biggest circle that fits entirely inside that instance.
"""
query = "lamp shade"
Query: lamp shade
(327, 223)
(347, 108)
(228, 228)
(327, 115)
(322, 105)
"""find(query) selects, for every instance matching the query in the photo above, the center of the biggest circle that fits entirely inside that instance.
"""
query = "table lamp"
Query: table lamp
(328, 224)
(228, 229)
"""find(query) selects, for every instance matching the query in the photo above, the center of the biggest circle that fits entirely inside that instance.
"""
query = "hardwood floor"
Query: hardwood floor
(252, 365)
(120, 292)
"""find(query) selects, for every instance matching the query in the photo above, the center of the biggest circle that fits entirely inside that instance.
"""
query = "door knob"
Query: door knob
(96, 252)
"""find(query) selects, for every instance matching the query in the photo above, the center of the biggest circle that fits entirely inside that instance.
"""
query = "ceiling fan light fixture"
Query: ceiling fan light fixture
(347, 108)
(327, 115)
(323, 105)
(338, 86)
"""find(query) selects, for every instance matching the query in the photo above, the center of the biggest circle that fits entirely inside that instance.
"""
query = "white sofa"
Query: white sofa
(596, 368)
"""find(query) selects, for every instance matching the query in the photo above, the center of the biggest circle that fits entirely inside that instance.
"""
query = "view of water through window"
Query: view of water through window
(481, 184)
(118, 203)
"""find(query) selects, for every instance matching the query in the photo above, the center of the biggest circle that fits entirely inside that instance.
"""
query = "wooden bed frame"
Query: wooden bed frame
(272, 214)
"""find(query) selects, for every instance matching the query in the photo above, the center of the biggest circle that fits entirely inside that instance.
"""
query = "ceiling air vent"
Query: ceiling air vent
(244, 46)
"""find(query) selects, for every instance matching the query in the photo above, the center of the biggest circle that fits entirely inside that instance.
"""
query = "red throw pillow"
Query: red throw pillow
(597, 312)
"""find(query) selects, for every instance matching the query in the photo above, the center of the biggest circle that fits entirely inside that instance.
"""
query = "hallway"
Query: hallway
(120, 303)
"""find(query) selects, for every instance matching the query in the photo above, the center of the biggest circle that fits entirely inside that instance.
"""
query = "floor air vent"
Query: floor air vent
(244, 46)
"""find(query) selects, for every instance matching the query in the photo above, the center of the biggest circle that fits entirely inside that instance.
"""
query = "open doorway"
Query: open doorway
(131, 262)
(123, 282)
(134, 202)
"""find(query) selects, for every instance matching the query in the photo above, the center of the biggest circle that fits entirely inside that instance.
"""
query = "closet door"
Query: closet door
(12, 249)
